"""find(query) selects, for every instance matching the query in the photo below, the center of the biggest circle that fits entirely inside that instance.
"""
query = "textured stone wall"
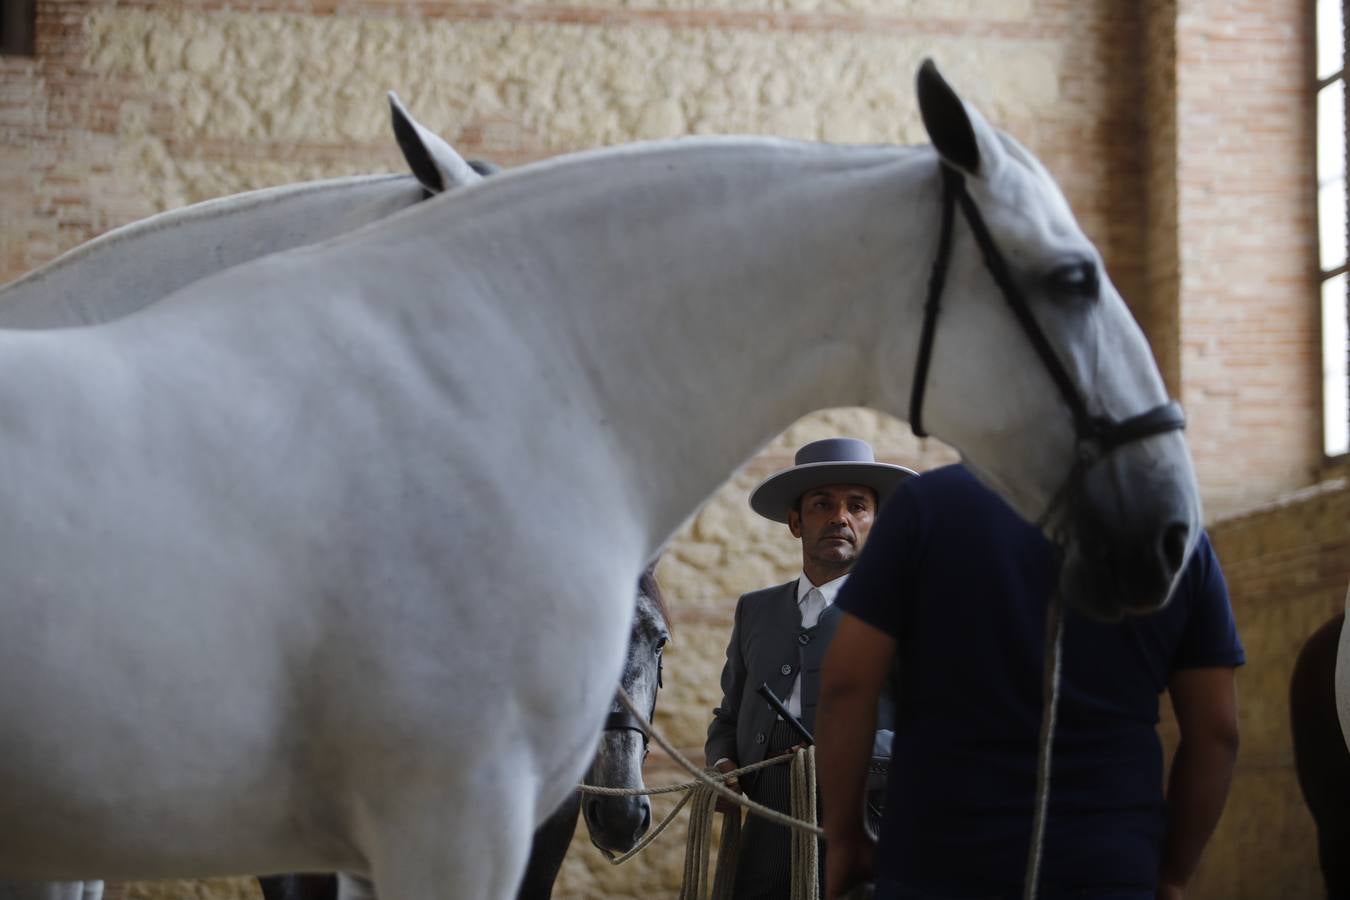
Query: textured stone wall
(133, 107)
(1287, 566)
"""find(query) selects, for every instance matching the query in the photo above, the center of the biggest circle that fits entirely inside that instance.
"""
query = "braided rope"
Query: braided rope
(683, 785)
(728, 855)
(1054, 628)
(649, 836)
(805, 847)
(715, 785)
(697, 789)
(697, 844)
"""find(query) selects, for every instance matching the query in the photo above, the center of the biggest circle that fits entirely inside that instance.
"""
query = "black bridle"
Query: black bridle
(623, 720)
(1095, 436)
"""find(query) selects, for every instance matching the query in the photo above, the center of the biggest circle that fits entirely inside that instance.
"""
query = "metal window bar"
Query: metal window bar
(1345, 149)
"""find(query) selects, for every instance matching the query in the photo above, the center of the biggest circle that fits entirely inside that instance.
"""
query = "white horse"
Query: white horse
(135, 265)
(333, 550)
(141, 263)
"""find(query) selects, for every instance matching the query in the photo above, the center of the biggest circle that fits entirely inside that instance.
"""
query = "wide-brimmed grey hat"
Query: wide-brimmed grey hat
(830, 461)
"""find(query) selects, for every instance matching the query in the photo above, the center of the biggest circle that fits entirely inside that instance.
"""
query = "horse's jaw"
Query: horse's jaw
(1125, 525)
(1129, 528)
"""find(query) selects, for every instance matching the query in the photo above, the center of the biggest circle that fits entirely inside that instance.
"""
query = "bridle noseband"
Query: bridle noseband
(1095, 436)
(623, 720)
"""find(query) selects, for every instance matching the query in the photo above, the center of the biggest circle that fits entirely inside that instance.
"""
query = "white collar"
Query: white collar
(829, 590)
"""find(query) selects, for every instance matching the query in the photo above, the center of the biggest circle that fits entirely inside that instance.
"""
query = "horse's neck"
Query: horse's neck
(789, 299)
(723, 291)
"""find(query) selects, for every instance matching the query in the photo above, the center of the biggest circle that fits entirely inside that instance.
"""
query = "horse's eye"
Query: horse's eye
(1078, 280)
(660, 644)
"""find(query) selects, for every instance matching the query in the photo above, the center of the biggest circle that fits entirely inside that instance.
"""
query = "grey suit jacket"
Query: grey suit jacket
(768, 644)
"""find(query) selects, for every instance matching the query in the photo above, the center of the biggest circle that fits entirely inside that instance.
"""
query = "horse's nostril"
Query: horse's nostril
(646, 821)
(1174, 546)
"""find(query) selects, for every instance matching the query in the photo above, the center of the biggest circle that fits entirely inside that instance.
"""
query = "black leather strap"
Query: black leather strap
(1096, 435)
(937, 280)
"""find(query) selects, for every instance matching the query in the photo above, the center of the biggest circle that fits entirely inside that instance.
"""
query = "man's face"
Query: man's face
(833, 522)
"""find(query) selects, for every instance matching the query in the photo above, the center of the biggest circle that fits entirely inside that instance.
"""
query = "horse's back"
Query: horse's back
(136, 265)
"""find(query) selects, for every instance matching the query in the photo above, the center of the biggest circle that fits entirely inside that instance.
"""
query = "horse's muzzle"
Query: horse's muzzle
(1107, 575)
(616, 824)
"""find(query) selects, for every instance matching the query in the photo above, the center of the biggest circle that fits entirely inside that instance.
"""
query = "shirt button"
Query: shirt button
(786, 670)
(759, 738)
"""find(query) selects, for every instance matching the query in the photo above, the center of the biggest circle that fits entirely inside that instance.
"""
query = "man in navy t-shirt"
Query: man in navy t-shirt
(956, 586)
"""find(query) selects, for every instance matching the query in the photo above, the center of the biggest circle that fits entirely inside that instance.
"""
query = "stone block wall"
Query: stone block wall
(1175, 127)
(1288, 567)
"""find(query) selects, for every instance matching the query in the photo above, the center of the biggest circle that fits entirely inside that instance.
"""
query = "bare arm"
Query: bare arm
(855, 668)
(1205, 701)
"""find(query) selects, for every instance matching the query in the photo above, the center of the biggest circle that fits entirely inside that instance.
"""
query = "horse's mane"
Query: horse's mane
(245, 202)
(648, 586)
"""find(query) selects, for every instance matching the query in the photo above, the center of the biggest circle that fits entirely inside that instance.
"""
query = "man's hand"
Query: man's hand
(848, 863)
(724, 805)
(1170, 891)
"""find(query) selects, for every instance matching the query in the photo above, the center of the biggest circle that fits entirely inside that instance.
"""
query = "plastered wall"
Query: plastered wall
(1151, 115)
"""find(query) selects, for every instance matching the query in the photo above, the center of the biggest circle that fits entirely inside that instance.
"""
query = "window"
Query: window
(1331, 225)
(16, 26)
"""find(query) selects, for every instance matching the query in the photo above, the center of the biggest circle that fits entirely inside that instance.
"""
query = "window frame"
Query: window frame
(1320, 83)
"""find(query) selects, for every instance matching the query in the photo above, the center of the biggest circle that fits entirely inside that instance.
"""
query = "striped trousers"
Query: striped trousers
(764, 867)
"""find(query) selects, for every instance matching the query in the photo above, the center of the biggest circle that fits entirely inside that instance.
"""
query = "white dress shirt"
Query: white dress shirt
(829, 590)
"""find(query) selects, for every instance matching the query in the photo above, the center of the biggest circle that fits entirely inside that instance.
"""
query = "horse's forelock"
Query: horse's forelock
(648, 586)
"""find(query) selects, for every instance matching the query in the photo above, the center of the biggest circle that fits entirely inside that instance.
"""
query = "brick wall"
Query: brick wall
(1176, 128)
(1245, 229)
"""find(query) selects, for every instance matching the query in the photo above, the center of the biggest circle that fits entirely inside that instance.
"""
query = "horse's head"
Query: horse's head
(617, 823)
(1065, 415)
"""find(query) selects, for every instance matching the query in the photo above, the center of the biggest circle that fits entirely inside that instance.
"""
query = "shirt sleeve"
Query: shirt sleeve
(888, 561)
(1210, 637)
(721, 741)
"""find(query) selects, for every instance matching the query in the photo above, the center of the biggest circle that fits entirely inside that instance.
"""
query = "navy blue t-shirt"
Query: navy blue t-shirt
(963, 584)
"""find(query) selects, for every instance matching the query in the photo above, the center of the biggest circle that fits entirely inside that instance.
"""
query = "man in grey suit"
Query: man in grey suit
(828, 500)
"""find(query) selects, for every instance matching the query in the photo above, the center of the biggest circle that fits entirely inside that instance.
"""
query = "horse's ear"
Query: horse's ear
(434, 162)
(961, 137)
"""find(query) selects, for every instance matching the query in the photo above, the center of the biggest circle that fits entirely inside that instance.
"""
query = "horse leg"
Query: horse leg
(548, 848)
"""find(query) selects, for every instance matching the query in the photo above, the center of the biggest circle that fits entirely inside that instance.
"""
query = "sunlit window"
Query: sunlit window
(1331, 225)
